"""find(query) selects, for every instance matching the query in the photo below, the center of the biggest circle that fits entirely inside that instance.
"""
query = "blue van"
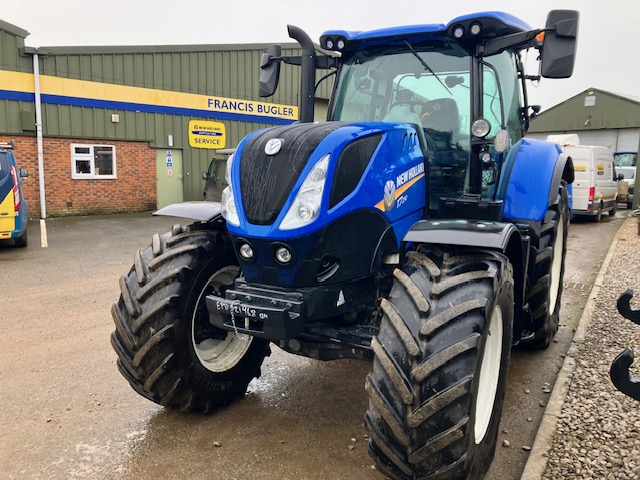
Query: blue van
(13, 208)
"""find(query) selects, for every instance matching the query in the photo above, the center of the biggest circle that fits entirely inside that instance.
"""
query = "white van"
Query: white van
(595, 189)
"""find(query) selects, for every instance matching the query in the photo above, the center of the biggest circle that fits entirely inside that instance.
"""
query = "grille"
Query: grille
(266, 181)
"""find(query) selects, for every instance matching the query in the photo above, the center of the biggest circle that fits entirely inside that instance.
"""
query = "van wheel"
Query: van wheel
(22, 240)
(613, 211)
(598, 215)
(629, 206)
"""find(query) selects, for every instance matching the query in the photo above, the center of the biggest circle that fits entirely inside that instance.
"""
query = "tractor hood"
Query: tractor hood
(336, 196)
(272, 168)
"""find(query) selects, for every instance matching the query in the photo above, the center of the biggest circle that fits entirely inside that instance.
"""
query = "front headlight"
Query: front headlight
(229, 211)
(227, 172)
(306, 206)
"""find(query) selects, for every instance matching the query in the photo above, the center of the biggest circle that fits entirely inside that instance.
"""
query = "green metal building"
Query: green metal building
(598, 117)
(132, 128)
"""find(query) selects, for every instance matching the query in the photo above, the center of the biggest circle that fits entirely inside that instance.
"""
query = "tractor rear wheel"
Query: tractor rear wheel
(440, 365)
(166, 347)
(547, 272)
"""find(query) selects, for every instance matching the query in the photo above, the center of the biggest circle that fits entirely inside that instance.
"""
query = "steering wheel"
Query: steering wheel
(428, 110)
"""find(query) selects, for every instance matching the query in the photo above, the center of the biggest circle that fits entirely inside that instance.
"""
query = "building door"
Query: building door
(169, 177)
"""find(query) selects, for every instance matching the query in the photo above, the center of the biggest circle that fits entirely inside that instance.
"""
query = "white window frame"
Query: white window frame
(91, 158)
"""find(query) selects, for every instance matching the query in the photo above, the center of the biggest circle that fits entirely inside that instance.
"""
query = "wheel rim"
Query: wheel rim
(222, 353)
(556, 267)
(489, 375)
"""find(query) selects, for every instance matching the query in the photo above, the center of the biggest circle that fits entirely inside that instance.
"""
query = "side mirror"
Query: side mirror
(559, 47)
(270, 70)
(24, 173)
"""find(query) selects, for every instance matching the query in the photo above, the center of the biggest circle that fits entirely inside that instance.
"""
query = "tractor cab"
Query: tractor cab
(459, 84)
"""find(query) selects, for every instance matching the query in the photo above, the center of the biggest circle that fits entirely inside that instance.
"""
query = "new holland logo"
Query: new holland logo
(389, 195)
(273, 146)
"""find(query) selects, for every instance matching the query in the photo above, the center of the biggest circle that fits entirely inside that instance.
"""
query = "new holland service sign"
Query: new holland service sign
(206, 134)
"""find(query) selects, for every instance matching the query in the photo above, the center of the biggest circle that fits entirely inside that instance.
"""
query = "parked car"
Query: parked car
(13, 207)
(626, 164)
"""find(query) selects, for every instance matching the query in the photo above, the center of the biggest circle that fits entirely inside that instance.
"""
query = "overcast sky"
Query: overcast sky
(603, 61)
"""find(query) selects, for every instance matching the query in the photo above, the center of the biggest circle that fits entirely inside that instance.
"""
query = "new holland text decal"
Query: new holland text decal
(393, 190)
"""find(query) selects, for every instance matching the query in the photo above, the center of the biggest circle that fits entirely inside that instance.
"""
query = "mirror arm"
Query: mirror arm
(325, 62)
(322, 62)
(519, 41)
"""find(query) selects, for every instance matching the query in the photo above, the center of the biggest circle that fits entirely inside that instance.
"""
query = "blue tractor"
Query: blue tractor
(416, 227)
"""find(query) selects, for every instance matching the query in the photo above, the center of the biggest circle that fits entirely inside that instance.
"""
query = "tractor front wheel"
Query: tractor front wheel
(166, 347)
(440, 365)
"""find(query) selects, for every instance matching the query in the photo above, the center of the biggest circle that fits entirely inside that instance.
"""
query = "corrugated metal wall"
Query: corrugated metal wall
(216, 70)
(11, 41)
(203, 70)
(592, 109)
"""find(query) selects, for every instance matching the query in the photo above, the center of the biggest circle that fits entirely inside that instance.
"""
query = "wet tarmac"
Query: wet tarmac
(66, 413)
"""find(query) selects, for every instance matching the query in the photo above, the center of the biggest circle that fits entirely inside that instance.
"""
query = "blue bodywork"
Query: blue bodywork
(514, 25)
(529, 179)
(393, 157)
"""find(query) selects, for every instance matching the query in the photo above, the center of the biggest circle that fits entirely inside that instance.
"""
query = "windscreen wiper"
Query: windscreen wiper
(426, 67)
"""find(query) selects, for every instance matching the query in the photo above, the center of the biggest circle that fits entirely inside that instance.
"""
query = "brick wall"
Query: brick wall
(133, 191)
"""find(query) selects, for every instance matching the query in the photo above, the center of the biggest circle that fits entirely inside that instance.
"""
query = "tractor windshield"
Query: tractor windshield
(432, 92)
(372, 83)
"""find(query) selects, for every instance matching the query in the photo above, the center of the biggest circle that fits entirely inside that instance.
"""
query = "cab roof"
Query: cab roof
(493, 24)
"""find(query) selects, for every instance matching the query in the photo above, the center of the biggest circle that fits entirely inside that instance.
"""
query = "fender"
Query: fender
(504, 237)
(532, 174)
(201, 211)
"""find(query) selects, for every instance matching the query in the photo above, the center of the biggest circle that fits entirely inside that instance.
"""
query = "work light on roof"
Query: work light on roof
(340, 43)
(475, 28)
(458, 31)
(329, 43)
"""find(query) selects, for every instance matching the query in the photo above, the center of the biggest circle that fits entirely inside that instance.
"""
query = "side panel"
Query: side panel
(531, 172)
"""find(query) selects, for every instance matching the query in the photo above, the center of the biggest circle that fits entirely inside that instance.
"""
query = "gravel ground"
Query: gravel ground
(598, 430)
